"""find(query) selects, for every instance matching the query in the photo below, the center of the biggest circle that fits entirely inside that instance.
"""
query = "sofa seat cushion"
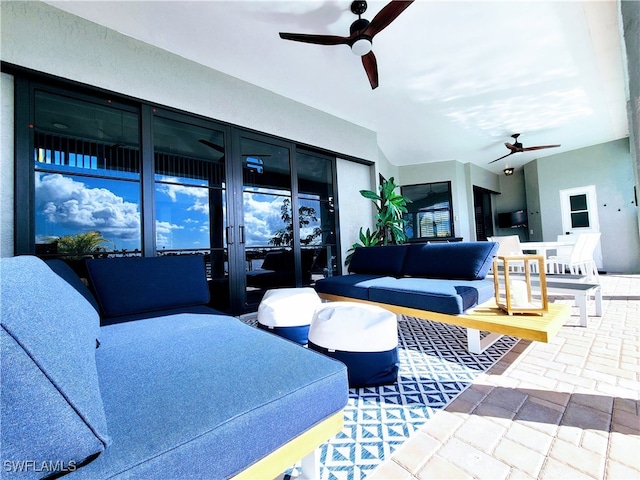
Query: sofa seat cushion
(235, 395)
(352, 286)
(443, 296)
(460, 260)
(52, 409)
(130, 285)
(199, 309)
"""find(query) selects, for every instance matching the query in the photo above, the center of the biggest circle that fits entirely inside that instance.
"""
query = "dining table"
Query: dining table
(543, 248)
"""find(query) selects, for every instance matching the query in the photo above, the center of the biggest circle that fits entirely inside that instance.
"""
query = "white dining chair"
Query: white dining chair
(509, 245)
(565, 251)
(580, 261)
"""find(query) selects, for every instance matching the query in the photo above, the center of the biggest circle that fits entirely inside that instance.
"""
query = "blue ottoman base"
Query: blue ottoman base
(366, 369)
(298, 334)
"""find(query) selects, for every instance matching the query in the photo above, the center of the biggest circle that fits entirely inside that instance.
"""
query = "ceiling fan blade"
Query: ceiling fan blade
(316, 39)
(371, 67)
(385, 16)
(513, 148)
(209, 144)
(540, 147)
(505, 156)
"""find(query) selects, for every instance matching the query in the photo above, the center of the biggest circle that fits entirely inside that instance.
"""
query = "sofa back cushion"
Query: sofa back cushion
(64, 271)
(459, 260)
(381, 260)
(130, 285)
(278, 261)
(52, 409)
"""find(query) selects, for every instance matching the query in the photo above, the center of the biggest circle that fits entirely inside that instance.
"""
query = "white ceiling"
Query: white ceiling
(456, 78)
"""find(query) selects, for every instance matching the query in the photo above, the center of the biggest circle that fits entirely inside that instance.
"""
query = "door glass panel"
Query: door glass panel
(578, 202)
(580, 220)
(190, 196)
(87, 178)
(316, 218)
(579, 211)
(268, 223)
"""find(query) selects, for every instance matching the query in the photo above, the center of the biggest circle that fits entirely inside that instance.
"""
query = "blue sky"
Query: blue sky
(68, 204)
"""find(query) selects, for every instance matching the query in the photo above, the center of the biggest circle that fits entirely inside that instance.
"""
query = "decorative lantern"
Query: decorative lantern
(520, 284)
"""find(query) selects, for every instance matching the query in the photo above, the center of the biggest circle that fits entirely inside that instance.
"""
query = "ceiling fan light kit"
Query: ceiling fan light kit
(361, 34)
(361, 47)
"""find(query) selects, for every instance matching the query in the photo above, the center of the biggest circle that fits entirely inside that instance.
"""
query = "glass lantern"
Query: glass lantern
(520, 284)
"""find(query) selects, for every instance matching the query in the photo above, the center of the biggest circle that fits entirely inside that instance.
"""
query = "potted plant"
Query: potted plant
(390, 208)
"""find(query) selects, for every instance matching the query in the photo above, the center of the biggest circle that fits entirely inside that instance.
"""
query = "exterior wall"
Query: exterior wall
(609, 167)
(534, 220)
(355, 210)
(630, 12)
(385, 168)
(6, 166)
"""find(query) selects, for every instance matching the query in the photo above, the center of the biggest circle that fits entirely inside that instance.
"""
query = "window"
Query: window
(430, 213)
(86, 177)
(189, 186)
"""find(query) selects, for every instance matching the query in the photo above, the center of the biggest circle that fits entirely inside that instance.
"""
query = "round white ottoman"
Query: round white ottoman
(287, 312)
(363, 337)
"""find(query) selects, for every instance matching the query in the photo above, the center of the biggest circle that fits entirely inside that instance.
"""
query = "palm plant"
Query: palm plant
(81, 244)
(390, 208)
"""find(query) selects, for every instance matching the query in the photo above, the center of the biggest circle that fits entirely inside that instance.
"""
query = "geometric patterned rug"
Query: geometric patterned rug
(435, 367)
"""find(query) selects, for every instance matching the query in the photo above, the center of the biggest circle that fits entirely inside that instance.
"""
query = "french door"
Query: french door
(282, 232)
(579, 209)
(101, 176)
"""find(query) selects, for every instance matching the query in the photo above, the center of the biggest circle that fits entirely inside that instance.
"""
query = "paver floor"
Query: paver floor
(568, 409)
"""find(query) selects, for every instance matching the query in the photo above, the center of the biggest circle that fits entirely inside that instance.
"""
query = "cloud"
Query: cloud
(199, 195)
(164, 234)
(261, 217)
(71, 203)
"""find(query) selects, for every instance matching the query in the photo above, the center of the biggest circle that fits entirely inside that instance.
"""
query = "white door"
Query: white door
(579, 209)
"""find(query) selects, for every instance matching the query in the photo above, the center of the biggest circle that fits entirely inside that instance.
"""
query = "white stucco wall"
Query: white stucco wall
(6, 166)
(610, 168)
(355, 210)
(630, 13)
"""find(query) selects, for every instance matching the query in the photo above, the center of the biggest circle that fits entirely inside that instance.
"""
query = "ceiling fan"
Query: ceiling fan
(361, 34)
(517, 147)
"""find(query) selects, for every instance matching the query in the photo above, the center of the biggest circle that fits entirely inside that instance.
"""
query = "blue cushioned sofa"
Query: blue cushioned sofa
(447, 278)
(165, 388)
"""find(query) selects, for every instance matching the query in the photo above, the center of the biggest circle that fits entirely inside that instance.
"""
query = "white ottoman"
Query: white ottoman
(363, 337)
(287, 312)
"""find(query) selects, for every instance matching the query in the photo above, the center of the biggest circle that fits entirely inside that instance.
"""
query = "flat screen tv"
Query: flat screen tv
(512, 219)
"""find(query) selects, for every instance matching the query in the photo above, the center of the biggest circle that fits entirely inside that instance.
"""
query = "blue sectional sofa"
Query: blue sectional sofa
(447, 278)
(166, 388)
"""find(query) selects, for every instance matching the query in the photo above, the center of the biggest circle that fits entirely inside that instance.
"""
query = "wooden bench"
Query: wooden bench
(485, 318)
